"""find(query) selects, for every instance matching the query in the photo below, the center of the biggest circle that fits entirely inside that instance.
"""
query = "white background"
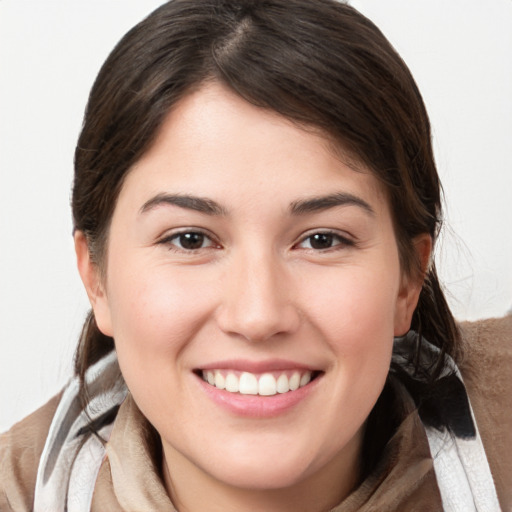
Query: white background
(460, 52)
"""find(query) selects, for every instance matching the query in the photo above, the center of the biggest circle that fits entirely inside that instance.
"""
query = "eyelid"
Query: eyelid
(169, 236)
(344, 239)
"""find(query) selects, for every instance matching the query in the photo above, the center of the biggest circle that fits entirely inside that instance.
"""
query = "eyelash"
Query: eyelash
(168, 240)
(342, 242)
(332, 236)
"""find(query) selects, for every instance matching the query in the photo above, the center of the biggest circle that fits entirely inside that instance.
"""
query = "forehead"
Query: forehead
(214, 143)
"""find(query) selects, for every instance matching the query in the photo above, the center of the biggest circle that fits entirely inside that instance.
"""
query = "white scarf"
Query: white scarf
(462, 470)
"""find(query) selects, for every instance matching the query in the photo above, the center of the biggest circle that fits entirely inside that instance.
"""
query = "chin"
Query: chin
(267, 462)
(263, 476)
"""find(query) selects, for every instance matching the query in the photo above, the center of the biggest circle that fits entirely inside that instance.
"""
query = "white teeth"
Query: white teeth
(249, 384)
(220, 381)
(232, 383)
(267, 385)
(283, 385)
(305, 379)
(294, 381)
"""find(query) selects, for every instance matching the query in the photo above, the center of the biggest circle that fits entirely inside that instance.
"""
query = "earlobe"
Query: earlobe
(91, 278)
(411, 285)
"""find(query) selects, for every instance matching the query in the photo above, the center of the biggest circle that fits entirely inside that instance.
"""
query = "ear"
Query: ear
(90, 274)
(410, 287)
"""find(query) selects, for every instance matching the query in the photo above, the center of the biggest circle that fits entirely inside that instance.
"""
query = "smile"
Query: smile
(266, 384)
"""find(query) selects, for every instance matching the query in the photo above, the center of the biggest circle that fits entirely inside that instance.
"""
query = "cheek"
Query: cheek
(154, 300)
(354, 308)
(155, 315)
(356, 318)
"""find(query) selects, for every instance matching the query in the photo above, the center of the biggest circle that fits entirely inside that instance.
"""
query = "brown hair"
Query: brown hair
(319, 63)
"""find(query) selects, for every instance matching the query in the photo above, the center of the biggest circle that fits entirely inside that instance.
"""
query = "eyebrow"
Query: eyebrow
(300, 207)
(198, 204)
(316, 204)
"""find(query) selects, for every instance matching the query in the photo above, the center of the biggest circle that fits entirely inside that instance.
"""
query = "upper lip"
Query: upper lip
(272, 365)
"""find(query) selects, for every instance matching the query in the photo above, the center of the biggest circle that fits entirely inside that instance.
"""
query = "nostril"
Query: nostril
(258, 324)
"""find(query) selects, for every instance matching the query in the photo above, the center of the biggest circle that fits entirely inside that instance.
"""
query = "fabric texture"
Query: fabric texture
(460, 463)
(487, 371)
(72, 455)
(128, 473)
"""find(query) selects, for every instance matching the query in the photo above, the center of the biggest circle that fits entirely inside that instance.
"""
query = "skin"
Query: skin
(256, 290)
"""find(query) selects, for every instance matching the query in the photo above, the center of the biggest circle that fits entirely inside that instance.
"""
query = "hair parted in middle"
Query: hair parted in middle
(320, 64)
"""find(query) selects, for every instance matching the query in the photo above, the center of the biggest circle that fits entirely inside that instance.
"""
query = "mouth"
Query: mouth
(262, 384)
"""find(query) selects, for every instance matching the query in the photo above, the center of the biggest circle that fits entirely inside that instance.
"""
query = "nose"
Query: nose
(257, 299)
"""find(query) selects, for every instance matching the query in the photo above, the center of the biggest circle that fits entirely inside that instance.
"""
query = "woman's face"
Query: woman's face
(244, 253)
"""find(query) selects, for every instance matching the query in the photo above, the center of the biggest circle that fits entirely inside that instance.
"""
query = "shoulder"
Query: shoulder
(486, 364)
(487, 372)
(20, 450)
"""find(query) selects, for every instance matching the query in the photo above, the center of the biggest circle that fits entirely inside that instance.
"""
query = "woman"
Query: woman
(255, 207)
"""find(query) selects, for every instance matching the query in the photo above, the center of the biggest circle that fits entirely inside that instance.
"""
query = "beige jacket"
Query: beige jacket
(129, 478)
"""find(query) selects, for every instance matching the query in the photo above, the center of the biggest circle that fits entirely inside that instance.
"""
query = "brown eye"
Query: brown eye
(321, 241)
(189, 241)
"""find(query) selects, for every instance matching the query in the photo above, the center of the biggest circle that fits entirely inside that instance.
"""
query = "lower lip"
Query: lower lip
(257, 406)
